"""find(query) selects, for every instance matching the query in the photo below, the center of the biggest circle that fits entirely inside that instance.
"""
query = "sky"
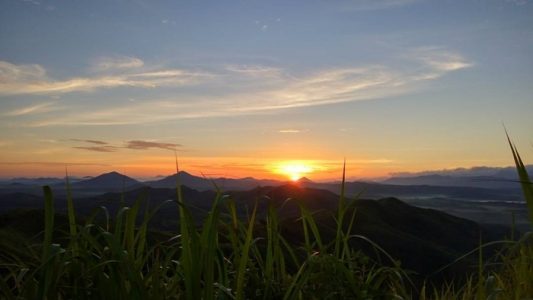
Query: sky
(263, 88)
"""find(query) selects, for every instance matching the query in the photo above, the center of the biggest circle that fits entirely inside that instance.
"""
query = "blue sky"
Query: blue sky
(239, 87)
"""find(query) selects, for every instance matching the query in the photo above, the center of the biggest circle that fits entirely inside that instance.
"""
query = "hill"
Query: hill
(486, 182)
(204, 184)
(422, 239)
(111, 180)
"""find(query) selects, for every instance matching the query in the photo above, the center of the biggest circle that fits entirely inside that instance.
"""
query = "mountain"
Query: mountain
(489, 182)
(421, 187)
(483, 171)
(204, 184)
(112, 181)
(36, 181)
(305, 181)
(482, 177)
(380, 190)
(185, 179)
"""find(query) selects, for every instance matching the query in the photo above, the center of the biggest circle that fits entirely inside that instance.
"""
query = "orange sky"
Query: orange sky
(233, 167)
(239, 88)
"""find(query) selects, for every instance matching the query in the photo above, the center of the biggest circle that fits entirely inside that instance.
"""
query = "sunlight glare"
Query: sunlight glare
(294, 170)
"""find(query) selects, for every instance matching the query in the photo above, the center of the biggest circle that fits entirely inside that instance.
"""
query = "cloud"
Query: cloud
(28, 73)
(32, 79)
(266, 94)
(289, 131)
(98, 148)
(91, 141)
(372, 161)
(366, 5)
(439, 59)
(333, 86)
(43, 163)
(32, 109)
(138, 113)
(102, 146)
(116, 63)
(255, 70)
(32, 2)
(144, 145)
(517, 2)
(361, 83)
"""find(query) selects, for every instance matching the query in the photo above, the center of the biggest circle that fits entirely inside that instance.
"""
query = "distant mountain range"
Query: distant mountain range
(477, 177)
(482, 177)
(493, 205)
(489, 182)
(204, 184)
(418, 187)
(500, 172)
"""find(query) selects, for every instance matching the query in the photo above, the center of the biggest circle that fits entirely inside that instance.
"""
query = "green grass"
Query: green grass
(510, 274)
(227, 257)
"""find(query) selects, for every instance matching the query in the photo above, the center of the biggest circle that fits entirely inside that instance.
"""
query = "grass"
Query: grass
(510, 274)
(232, 258)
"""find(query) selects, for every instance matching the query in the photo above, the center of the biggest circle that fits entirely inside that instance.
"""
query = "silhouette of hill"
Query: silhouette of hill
(487, 182)
(379, 190)
(304, 180)
(480, 171)
(204, 184)
(427, 186)
(36, 181)
(108, 180)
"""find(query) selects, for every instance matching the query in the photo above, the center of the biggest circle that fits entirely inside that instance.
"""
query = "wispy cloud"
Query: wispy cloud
(139, 113)
(116, 63)
(98, 148)
(439, 59)
(362, 83)
(32, 79)
(264, 94)
(289, 131)
(145, 145)
(372, 161)
(366, 5)
(32, 109)
(32, 2)
(44, 163)
(333, 86)
(517, 2)
(96, 142)
(11, 72)
(101, 146)
(255, 70)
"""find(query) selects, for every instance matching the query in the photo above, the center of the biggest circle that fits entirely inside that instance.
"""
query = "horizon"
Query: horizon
(476, 171)
(266, 90)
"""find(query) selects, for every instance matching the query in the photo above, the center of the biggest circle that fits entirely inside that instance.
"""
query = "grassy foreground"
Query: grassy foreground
(229, 258)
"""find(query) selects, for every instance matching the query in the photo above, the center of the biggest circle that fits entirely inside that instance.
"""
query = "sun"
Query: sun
(294, 170)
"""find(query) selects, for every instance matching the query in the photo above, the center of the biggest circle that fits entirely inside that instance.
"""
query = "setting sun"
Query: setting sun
(294, 170)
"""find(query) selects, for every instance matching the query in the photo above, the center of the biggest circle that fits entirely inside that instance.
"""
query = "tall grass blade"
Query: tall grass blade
(525, 181)
(70, 206)
(46, 271)
(340, 212)
(48, 220)
(244, 259)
